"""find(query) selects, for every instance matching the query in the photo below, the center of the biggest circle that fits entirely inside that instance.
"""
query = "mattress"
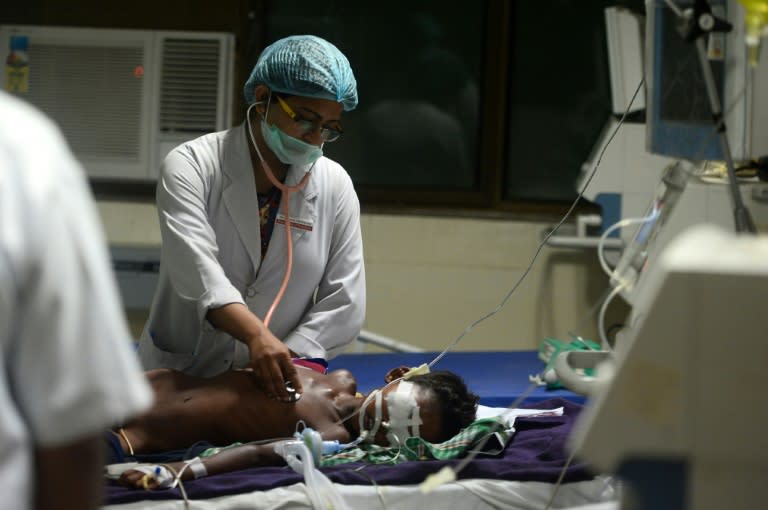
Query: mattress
(470, 494)
(522, 475)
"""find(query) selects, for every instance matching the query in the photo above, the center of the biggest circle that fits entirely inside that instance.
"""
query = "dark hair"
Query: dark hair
(457, 403)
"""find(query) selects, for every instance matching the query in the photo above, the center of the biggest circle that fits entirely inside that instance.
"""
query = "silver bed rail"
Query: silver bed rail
(366, 338)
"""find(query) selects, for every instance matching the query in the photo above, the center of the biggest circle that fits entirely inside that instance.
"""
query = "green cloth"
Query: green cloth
(417, 448)
(550, 348)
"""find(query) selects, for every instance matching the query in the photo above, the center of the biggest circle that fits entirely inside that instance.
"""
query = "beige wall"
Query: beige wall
(431, 277)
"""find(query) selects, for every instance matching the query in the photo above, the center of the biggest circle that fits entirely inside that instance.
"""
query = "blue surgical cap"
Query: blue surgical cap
(304, 65)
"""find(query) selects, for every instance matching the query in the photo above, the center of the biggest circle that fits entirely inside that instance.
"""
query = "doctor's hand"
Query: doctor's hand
(270, 359)
(272, 366)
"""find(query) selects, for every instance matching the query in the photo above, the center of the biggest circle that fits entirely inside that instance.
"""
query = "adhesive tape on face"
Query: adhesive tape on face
(404, 419)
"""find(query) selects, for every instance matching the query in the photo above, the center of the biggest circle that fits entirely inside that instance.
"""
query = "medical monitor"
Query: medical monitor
(679, 119)
(695, 360)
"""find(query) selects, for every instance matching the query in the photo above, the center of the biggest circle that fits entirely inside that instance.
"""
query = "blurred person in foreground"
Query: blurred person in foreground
(68, 368)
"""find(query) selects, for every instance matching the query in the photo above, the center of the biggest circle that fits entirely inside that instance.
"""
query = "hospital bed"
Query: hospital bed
(498, 377)
(523, 475)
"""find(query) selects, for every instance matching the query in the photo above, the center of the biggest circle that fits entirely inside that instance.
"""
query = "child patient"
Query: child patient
(231, 408)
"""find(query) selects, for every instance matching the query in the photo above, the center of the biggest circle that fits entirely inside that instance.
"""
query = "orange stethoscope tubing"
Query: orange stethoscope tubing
(286, 199)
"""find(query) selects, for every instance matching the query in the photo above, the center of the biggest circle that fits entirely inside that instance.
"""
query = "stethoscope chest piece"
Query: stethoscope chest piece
(293, 395)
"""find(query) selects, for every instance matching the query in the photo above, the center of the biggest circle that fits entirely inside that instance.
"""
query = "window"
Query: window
(419, 69)
(488, 105)
(559, 96)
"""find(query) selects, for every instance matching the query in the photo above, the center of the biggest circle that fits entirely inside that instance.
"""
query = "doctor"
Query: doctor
(226, 202)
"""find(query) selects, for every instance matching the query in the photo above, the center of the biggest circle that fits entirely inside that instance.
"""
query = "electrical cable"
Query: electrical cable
(601, 316)
(559, 481)
(627, 222)
(570, 210)
(377, 487)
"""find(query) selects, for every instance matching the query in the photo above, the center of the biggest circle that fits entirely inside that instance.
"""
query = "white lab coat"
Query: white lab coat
(211, 256)
(67, 366)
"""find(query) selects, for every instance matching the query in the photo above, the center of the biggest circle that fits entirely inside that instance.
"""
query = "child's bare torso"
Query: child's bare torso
(232, 408)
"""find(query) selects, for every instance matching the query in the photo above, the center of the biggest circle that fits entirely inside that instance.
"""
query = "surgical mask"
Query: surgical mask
(288, 149)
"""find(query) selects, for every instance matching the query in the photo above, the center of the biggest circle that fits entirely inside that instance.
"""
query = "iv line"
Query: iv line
(519, 281)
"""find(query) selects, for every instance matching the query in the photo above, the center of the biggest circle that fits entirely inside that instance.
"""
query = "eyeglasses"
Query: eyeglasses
(329, 134)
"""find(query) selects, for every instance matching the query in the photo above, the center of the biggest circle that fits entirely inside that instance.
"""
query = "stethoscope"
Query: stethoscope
(286, 199)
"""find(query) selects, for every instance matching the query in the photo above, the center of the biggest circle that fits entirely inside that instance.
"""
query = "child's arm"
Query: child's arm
(230, 459)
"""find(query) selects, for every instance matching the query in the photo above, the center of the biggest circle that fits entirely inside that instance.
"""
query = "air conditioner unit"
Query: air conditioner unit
(125, 98)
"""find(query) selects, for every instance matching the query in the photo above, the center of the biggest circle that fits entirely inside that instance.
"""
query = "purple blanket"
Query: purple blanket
(535, 453)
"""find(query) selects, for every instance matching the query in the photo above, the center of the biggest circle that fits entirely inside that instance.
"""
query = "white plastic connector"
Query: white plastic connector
(445, 475)
(420, 370)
